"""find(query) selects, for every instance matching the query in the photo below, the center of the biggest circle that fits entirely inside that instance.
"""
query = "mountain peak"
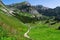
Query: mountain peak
(26, 3)
(0, 2)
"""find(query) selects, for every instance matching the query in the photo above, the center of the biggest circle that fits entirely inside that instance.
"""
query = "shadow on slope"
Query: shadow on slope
(25, 19)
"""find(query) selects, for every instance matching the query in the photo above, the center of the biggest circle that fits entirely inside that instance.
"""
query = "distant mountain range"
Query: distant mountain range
(36, 10)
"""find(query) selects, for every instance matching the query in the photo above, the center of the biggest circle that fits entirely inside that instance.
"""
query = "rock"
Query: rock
(59, 28)
(53, 23)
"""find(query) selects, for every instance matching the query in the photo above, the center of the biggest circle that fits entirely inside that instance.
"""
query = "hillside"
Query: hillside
(22, 21)
(12, 23)
(11, 28)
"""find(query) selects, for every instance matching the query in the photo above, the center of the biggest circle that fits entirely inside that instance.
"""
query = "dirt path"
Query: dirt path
(26, 33)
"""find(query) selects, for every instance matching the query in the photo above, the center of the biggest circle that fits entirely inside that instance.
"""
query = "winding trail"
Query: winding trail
(26, 33)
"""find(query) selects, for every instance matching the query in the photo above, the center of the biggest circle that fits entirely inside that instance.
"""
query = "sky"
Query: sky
(46, 3)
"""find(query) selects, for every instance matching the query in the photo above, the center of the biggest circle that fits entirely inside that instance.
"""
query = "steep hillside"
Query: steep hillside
(11, 28)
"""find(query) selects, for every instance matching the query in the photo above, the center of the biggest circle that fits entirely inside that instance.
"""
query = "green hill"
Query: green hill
(14, 28)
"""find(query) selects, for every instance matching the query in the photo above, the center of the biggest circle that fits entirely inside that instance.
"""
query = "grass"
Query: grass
(4, 36)
(44, 32)
(14, 23)
(39, 30)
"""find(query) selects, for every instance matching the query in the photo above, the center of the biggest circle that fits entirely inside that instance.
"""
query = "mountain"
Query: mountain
(49, 11)
(38, 11)
(24, 7)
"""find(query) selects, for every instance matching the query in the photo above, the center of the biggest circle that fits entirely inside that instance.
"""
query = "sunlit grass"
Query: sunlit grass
(44, 32)
(15, 24)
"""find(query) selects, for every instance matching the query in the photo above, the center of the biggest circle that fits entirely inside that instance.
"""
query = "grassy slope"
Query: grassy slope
(15, 24)
(44, 32)
(38, 32)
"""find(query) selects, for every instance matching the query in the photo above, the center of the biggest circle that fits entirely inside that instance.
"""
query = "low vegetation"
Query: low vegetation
(13, 27)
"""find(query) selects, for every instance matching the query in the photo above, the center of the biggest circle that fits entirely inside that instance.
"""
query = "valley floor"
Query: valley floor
(42, 31)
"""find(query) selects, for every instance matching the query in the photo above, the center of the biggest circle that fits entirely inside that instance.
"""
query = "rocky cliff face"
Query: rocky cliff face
(2, 6)
(25, 7)
(5, 9)
(49, 11)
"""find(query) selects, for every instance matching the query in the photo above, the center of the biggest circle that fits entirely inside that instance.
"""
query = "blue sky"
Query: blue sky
(46, 3)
